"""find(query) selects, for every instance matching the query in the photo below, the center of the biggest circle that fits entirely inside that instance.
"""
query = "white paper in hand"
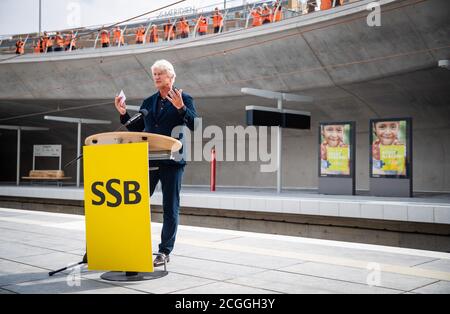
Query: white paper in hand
(122, 97)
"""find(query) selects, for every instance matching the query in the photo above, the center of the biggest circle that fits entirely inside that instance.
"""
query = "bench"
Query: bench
(47, 175)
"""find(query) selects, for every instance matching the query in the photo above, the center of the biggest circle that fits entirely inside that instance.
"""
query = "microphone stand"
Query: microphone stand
(84, 261)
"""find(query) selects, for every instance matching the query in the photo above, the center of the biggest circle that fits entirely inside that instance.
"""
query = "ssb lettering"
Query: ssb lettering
(113, 188)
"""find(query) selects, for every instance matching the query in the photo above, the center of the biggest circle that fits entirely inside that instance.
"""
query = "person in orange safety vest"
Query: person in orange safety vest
(140, 34)
(37, 46)
(169, 31)
(277, 13)
(183, 26)
(153, 34)
(202, 25)
(257, 18)
(217, 21)
(70, 41)
(118, 37)
(325, 4)
(59, 41)
(20, 49)
(48, 42)
(266, 14)
(104, 37)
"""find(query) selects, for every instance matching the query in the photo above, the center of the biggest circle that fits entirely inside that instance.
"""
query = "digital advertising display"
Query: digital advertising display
(336, 154)
(390, 150)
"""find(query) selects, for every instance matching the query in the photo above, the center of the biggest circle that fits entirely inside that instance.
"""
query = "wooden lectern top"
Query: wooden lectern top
(156, 142)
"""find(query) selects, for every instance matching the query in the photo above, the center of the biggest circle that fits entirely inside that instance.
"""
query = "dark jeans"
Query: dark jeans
(171, 177)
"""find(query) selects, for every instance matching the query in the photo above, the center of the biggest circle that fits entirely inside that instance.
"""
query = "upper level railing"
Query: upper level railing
(234, 18)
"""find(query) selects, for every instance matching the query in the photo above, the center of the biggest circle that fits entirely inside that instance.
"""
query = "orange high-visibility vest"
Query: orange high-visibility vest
(37, 47)
(59, 41)
(70, 39)
(325, 5)
(277, 15)
(217, 20)
(257, 20)
(140, 33)
(19, 47)
(105, 37)
(184, 26)
(203, 25)
(118, 36)
(266, 15)
(49, 42)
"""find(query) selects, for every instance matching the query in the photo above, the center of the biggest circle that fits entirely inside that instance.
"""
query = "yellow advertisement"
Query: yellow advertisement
(117, 207)
(389, 148)
(335, 148)
(393, 157)
(338, 157)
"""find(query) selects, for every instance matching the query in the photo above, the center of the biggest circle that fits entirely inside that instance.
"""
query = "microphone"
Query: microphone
(141, 114)
(73, 160)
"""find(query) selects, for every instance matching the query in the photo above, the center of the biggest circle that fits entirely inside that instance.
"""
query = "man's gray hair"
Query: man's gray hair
(165, 66)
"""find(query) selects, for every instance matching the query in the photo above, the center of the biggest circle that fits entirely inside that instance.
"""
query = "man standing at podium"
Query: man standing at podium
(168, 108)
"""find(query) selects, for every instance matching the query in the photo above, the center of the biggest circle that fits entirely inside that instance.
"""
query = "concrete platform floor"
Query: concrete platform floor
(216, 261)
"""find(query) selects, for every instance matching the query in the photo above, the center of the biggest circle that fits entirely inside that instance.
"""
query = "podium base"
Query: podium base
(126, 276)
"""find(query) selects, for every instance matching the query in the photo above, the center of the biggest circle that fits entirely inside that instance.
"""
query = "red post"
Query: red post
(213, 170)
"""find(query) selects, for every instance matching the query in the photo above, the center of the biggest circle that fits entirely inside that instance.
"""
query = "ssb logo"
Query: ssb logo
(130, 193)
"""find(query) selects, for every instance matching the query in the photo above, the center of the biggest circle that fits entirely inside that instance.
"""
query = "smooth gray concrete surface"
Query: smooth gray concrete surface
(214, 261)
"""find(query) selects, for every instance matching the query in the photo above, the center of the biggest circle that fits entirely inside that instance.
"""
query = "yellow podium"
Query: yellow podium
(117, 202)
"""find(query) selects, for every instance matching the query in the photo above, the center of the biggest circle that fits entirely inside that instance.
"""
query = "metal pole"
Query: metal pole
(40, 18)
(122, 31)
(146, 32)
(249, 15)
(96, 39)
(18, 156)
(171, 30)
(78, 153)
(223, 22)
(279, 151)
(72, 40)
(34, 161)
(213, 170)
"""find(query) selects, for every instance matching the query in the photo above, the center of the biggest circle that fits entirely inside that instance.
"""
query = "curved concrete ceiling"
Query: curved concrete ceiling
(329, 48)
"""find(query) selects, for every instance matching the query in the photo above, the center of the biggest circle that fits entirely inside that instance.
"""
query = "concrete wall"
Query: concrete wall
(426, 101)
(354, 72)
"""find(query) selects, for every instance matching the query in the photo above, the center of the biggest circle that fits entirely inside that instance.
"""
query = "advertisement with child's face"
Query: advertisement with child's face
(335, 149)
(389, 140)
